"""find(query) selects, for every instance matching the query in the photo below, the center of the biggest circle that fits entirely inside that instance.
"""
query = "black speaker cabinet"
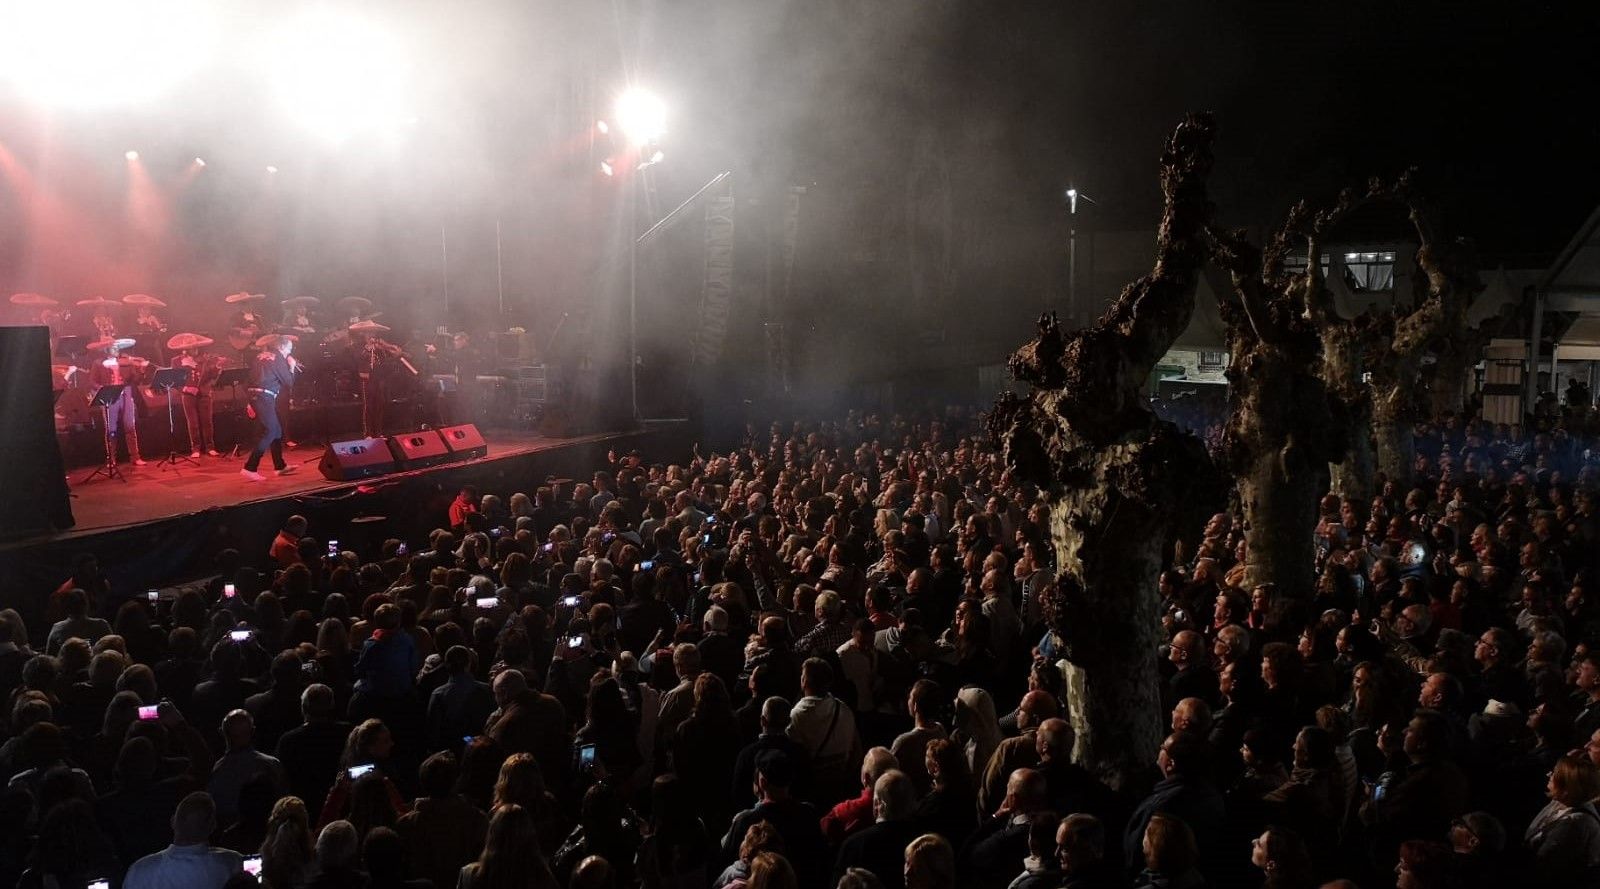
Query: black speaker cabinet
(345, 461)
(465, 441)
(417, 450)
(31, 471)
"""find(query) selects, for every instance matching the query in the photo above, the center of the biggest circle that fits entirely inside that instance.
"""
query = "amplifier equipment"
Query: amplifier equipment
(417, 450)
(345, 461)
(465, 442)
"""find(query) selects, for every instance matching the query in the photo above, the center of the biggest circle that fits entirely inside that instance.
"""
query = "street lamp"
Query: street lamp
(1073, 195)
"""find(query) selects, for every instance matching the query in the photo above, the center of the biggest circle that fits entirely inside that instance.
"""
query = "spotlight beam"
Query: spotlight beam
(641, 115)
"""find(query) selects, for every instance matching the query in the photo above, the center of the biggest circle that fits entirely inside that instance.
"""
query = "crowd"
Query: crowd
(822, 660)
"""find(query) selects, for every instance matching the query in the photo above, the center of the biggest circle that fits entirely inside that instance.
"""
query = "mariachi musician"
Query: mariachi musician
(204, 369)
(271, 373)
(247, 325)
(377, 363)
(104, 325)
(297, 315)
(117, 369)
(43, 310)
(145, 319)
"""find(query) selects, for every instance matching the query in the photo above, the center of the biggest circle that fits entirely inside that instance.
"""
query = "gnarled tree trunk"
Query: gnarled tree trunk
(1343, 362)
(1393, 437)
(1285, 426)
(1435, 324)
(1118, 479)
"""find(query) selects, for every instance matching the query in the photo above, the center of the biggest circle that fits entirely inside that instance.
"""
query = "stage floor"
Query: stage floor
(154, 492)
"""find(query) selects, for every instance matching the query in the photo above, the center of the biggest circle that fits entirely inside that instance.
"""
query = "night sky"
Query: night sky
(1494, 102)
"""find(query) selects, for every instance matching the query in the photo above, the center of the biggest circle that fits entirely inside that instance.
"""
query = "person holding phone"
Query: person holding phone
(460, 706)
(365, 758)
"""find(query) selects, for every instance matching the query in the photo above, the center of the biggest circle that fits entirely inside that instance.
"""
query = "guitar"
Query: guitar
(244, 337)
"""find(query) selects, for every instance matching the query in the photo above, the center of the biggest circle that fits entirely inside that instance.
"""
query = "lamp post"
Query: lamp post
(1073, 195)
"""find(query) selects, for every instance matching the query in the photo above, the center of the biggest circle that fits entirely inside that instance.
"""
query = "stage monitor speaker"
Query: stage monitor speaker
(465, 441)
(418, 450)
(31, 474)
(345, 461)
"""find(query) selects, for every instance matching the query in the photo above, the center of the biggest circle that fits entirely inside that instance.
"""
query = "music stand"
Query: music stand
(103, 398)
(167, 379)
(232, 378)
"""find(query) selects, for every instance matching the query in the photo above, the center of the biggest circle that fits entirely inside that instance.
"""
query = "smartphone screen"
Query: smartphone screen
(570, 601)
(549, 547)
(228, 591)
(357, 771)
(148, 712)
(101, 883)
(153, 595)
(575, 641)
(240, 635)
(402, 549)
(647, 564)
(586, 755)
(488, 601)
(333, 548)
(252, 865)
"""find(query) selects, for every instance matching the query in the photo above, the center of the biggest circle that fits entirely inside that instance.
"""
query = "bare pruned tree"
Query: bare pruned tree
(1119, 481)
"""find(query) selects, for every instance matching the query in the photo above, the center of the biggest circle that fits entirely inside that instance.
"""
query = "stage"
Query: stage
(149, 493)
(162, 526)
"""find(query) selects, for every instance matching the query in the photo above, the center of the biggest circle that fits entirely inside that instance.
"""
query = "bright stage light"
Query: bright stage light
(641, 116)
(199, 162)
(602, 126)
(606, 168)
(88, 54)
(271, 169)
(340, 74)
(131, 155)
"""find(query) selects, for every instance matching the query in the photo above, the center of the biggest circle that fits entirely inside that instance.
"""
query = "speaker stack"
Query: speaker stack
(361, 458)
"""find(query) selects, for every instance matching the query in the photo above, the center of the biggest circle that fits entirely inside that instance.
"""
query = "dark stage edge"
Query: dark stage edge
(162, 527)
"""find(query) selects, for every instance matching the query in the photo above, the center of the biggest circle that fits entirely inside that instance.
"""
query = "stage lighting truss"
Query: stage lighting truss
(341, 75)
(95, 54)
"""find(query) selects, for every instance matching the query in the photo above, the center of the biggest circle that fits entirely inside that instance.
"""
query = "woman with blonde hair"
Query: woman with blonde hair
(511, 858)
(287, 858)
(521, 783)
(930, 863)
(760, 837)
(769, 870)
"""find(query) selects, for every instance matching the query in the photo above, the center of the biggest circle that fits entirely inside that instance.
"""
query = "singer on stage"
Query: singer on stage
(272, 372)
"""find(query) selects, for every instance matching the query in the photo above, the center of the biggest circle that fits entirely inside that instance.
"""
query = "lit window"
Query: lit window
(1369, 271)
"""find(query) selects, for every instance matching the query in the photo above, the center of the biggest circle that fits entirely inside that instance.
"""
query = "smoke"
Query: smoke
(934, 140)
